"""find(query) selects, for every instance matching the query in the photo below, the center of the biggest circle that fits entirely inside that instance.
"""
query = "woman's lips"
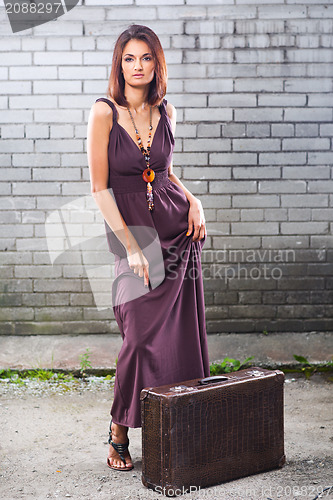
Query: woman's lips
(138, 76)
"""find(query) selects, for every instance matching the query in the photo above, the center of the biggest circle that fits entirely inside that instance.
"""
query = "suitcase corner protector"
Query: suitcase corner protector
(282, 461)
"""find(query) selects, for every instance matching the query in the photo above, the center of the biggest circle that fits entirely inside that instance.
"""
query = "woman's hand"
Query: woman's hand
(138, 262)
(196, 220)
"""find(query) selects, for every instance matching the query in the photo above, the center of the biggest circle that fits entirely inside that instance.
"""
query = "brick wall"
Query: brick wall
(252, 83)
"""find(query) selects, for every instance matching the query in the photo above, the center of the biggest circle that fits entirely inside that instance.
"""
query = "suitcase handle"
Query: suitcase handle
(214, 378)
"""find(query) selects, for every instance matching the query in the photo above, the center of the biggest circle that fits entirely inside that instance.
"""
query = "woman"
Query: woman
(155, 228)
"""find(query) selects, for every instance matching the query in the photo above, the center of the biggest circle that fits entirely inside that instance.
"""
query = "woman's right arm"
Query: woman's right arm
(98, 132)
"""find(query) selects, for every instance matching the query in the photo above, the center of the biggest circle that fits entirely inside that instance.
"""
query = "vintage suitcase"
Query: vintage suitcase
(203, 432)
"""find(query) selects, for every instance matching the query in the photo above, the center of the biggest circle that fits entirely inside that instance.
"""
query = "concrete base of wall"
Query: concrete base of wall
(63, 351)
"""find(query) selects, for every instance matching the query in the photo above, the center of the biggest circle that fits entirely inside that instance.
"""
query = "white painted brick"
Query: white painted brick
(81, 73)
(319, 158)
(183, 42)
(12, 132)
(319, 172)
(252, 214)
(17, 145)
(209, 27)
(282, 129)
(209, 56)
(57, 58)
(259, 26)
(282, 39)
(305, 144)
(36, 160)
(207, 173)
(256, 172)
(320, 186)
(307, 41)
(209, 130)
(258, 130)
(231, 70)
(233, 159)
(304, 200)
(181, 12)
(16, 58)
(32, 101)
(207, 145)
(309, 26)
(304, 227)
(67, 28)
(255, 200)
(282, 186)
(278, 70)
(127, 13)
(190, 158)
(308, 85)
(230, 215)
(233, 130)
(59, 43)
(211, 114)
(233, 100)
(232, 11)
(322, 214)
(83, 43)
(282, 100)
(320, 100)
(186, 71)
(258, 115)
(61, 131)
(256, 144)
(185, 130)
(59, 115)
(33, 43)
(57, 87)
(15, 87)
(254, 228)
(276, 214)
(323, 11)
(8, 44)
(50, 145)
(326, 129)
(3, 73)
(33, 73)
(213, 85)
(282, 11)
(60, 174)
(259, 41)
(12, 116)
(232, 187)
(232, 41)
(299, 214)
(35, 188)
(209, 41)
(37, 131)
(258, 85)
(282, 158)
(259, 56)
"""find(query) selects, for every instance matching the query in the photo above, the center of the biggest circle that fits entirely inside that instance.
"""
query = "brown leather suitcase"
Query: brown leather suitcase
(203, 432)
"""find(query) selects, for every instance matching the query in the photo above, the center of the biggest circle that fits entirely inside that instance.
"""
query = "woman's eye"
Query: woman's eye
(128, 59)
(148, 57)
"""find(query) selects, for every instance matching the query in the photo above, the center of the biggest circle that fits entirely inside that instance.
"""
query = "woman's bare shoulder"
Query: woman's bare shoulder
(102, 113)
(171, 110)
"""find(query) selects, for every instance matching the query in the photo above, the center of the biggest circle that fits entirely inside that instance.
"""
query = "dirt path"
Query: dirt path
(54, 445)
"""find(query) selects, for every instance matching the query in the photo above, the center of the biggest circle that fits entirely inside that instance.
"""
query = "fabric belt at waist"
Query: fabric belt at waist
(132, 183)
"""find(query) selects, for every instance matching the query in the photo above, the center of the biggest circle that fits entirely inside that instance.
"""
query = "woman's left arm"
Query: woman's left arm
(196, 217)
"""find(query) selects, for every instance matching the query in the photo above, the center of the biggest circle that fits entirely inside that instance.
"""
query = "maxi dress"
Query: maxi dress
(162, 326)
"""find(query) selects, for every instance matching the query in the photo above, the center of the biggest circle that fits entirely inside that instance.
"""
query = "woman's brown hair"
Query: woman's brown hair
(157, 87)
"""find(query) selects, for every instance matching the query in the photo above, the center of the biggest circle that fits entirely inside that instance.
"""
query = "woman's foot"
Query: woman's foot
(119, 435)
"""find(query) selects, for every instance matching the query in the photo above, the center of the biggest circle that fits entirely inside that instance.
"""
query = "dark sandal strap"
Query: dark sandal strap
(120, 449)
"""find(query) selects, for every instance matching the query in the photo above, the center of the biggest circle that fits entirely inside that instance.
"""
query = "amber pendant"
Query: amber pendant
(148, 175)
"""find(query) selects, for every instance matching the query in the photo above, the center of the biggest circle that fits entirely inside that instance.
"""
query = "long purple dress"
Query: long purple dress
(162, 326)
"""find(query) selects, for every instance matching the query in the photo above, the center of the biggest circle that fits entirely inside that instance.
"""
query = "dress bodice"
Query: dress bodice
(125, 158)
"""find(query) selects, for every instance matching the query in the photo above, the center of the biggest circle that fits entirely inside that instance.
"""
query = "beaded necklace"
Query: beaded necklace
(148, 174)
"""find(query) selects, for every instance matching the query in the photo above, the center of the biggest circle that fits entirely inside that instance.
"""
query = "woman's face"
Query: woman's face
(137, 59)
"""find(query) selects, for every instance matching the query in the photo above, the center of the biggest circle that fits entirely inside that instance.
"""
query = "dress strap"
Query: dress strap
(112, 106)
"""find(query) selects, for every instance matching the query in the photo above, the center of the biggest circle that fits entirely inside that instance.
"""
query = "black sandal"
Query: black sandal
(120, 449)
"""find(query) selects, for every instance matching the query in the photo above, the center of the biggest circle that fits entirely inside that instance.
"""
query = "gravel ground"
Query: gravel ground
(54, 445)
